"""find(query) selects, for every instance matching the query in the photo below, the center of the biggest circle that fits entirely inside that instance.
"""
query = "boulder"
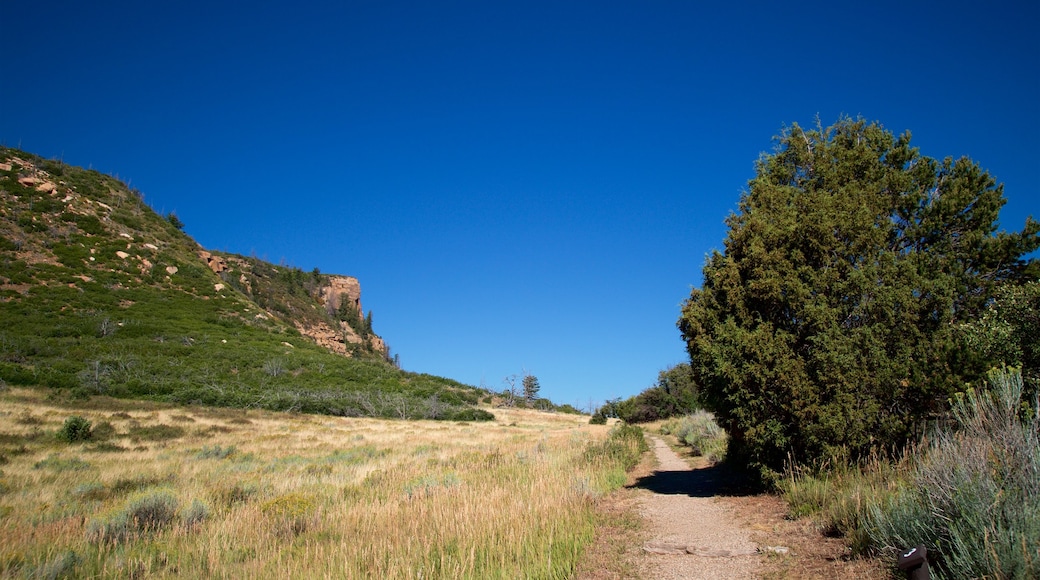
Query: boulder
(215, 263)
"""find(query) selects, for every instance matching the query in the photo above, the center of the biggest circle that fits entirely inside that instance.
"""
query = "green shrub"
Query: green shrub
(94, 490)
(27, 418)
(290, 514)
(235, 493)
(975, 495)
(110, 528)
(825, 321)
(59, 464)
(195, 514)
(216, 452)
(102, 431)
(427, 484)
(149, 511)
(472, 415)
(75, 429)
(701, 433)
(107, 447)
(160, 432)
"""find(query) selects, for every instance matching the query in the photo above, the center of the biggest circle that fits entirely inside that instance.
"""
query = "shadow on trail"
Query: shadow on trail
(703, 482)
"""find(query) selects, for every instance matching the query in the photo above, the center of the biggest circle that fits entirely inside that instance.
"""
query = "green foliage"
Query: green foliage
(675, 393)
(153, 324)
(196, 512)
(216, 452)
(531, 388)
(975, 497)
(291, 514)
(701, 433)
(1008, 329)
(971, 495)
(472, 415)
(144, 512)
(59, 464)
(62, 566)
(625, 445)
(151, 510)
(233, 493)
(828, 322)
(160, 432)
(175, 221)
(75, 429)
(120, 487)
(428, 484)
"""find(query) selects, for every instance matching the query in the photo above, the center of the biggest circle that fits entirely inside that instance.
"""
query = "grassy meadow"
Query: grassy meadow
(163, 491)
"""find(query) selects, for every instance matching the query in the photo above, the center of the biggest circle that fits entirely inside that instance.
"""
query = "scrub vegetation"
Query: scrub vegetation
(970, 494)
(100, 295)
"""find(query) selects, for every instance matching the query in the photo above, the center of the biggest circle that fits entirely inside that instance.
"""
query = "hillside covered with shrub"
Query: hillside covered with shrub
(100, 295)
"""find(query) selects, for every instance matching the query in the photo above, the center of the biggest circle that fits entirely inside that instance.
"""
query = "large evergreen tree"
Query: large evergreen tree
(828, 320)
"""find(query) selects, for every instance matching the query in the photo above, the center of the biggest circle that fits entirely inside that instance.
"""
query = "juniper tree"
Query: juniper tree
(531, 388)
(828, 319)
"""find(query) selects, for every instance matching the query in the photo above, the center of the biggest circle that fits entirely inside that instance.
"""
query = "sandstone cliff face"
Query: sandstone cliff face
(331, 314)
(341, 290)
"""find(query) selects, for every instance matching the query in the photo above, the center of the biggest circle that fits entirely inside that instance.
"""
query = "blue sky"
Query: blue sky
(517, 185)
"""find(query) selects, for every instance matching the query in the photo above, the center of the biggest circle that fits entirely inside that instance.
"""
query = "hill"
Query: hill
(100, 295)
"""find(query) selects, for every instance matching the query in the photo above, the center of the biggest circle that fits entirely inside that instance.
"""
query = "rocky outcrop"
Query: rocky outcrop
(341, 338)
(215, 263)
(341, 290)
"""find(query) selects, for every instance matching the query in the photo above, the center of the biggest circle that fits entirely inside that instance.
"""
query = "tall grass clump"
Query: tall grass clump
(974, 496)
(625, 445)
(837, 492)
(701, 433)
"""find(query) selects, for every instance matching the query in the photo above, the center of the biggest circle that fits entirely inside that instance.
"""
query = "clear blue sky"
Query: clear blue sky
(518, 185)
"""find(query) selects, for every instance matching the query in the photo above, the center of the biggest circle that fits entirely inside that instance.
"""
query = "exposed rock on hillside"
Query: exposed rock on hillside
(104, 228)
(342, 294)
(215, 263)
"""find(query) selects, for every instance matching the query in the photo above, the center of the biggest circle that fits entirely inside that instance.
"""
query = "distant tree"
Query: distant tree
(608, 410)
(531, 388)
(828, 320)
(174, 220)
(674, 393)
(509, 394)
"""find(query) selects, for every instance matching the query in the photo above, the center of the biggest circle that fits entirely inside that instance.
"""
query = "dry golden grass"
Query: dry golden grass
(269, 495)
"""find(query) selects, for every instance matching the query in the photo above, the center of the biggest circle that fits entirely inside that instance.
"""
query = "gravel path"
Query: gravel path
(693, 533)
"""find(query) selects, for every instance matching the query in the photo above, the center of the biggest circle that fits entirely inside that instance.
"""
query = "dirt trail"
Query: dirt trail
(675, 522)
(693, 534)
